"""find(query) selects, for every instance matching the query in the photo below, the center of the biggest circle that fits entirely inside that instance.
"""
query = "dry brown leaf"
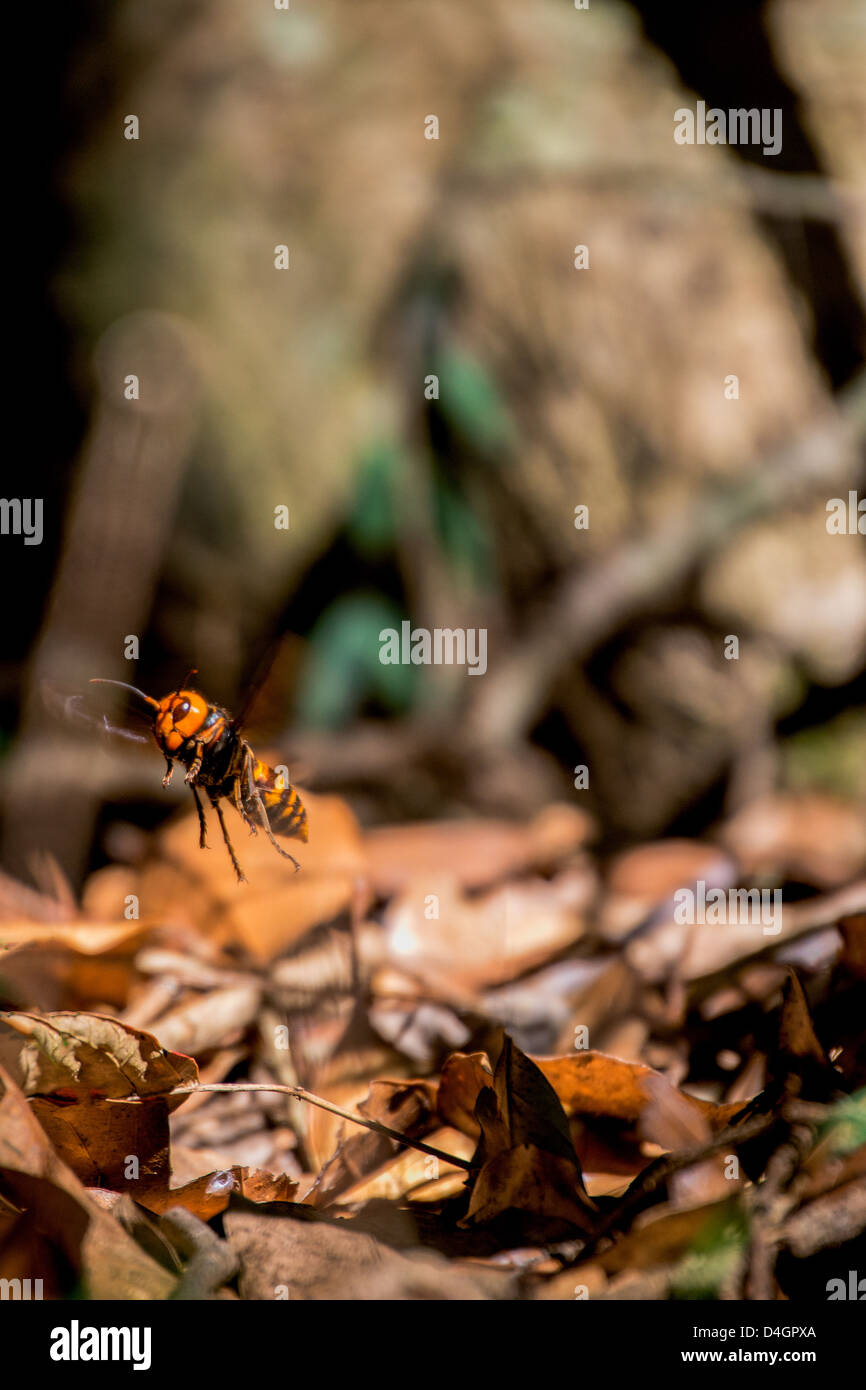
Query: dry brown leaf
(303, 1256)
(409, 1107)
(807, 836)
(671, 1122)
(276, 906)
(669, 1119)
(853, 955)
(88, 938)
(593, 1089)
(322, 1129)
(209, 1195)
(642, 879)
(663, 1236)
(82, 1056)
(691, 952)
(659, 1238)
(478, 853)
(61, 965)
(108, 1261)
(208, 1021)
(457, 941)
(594, 1084)
(611, 990)
(121, 1144)
(463, 1077)
(797, 1061)
(419, 1175)
(99, 1089)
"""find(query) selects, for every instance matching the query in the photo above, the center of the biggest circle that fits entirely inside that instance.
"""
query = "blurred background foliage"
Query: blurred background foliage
(450, 258)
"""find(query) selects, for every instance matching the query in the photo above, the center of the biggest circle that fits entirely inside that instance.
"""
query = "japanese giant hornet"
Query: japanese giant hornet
(207, 741)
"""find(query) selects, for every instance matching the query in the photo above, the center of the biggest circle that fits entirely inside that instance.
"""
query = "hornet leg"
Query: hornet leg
(169, 772)
(195, 766)
(229, 846)
(238, 803)
(255, 797)
(202, 824)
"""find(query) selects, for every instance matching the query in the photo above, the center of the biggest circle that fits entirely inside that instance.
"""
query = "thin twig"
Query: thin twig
(797, 196)
(298, 1093)
(769, 1203)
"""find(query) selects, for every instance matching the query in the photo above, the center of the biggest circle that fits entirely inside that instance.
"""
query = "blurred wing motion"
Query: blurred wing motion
(266, 690)
(89, 711)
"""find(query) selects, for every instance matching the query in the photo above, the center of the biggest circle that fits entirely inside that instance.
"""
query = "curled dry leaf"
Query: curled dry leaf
(207, 1196)
(525, 1157)
(464, 1075)
(797, 1062)
(604, 1098)
(81, 1056)
(416, 1175)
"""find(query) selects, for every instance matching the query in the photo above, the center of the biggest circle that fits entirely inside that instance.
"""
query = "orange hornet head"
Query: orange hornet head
(179, 717)
(176, 717)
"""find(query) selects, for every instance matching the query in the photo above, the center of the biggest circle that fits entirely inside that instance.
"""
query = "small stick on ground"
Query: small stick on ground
(298, 1093)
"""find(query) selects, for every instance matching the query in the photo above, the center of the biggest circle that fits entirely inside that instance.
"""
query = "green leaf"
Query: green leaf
(713, 1259)
(472, 402)
(846, 1124)
(464, 536)
(372, 522)
(343, 669)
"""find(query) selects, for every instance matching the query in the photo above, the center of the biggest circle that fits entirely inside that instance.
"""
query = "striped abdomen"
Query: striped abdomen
(283, 805)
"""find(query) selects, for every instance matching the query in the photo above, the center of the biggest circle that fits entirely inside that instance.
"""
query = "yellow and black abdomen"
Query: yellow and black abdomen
(284, 807)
